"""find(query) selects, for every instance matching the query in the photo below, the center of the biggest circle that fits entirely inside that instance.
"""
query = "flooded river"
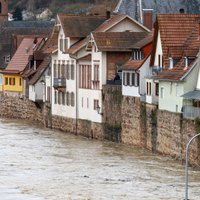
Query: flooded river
(43, 164)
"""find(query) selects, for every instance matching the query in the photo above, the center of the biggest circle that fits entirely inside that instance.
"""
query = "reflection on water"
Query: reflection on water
(42, 164)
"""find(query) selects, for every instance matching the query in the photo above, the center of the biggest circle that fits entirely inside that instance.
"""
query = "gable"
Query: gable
(126, 25)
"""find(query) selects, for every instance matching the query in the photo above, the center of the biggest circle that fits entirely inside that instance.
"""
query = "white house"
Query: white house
(40, 83)
(100, 58)
(174, 60)
(137, 68)
(71, 30)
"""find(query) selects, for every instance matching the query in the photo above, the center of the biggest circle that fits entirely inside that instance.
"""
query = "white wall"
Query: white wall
(126, 25)
(86, 110)
(172, 100)
(158, 49)
(141, 90)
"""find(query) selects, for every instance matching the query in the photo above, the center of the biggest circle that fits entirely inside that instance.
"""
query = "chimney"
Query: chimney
(148, 18)
(186, 62)
(107, 14)
(171, 63)
(182, 10)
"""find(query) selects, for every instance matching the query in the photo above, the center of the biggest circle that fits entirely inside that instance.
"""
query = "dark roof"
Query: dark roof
(117, 41)
(40, 70)
(130, 7)
(10, 28)
(79, 26)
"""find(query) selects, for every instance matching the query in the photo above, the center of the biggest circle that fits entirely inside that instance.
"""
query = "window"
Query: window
(82, 101)
(20, 81)
(55, 70)
(0, 8)
(6, 80)
(63, 70)
(68, 71)
(58, 69)
(124, 78)
(68, 99)
(7, 59)
(137, 80)
(61, 44)
(63, 98)
(96, 104)
(137, 54)
(87, 102)
(48, 94)
(55, 97)
(11, 81)
(148, 88)
(66, 44)
(128, 78)
(59, 98)
(131, 79)
(96, 77)
(85, 76)
(72, 71)
(72, 99)
(156, 89)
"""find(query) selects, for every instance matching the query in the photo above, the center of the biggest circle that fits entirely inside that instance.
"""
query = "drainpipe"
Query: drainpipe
(76, 92)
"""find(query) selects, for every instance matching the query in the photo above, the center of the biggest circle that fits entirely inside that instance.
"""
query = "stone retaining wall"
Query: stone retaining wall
(142, 125)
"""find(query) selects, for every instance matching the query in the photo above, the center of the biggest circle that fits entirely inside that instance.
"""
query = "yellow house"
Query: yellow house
(11, 77)
(12, 82)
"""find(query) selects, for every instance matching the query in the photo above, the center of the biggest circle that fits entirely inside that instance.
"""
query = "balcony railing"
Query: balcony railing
(191, 112)
(114, 82)
(59, 82)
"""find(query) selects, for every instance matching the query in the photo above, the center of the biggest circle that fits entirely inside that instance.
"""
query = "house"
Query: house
(99, 57)
(137, 68)
(71, 29)
(13, 82)
(174, 59)
(39, 77)
(9, 32)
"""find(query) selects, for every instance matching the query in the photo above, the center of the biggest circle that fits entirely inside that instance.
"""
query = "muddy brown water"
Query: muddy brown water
(43, 164)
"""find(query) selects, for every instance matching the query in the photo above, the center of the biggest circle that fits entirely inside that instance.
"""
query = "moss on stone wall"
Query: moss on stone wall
(112, 132)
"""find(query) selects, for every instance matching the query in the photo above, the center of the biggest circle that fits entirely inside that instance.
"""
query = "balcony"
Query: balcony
(114, 82)
(59, 83)
(191, 112)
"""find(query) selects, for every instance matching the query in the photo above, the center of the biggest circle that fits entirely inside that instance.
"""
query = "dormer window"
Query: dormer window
(137, 54)
(63, 44)
(7, 59)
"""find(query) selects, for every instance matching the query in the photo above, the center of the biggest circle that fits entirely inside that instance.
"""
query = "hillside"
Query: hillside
(67, 6)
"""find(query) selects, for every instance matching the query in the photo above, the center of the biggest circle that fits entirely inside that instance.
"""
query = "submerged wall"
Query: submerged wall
(126, 120)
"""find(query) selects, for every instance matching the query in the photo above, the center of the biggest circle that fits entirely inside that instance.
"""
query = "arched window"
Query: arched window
(0, 8)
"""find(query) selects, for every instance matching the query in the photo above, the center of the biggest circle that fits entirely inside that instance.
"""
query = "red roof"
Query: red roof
(21, 57)
(179, 38)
